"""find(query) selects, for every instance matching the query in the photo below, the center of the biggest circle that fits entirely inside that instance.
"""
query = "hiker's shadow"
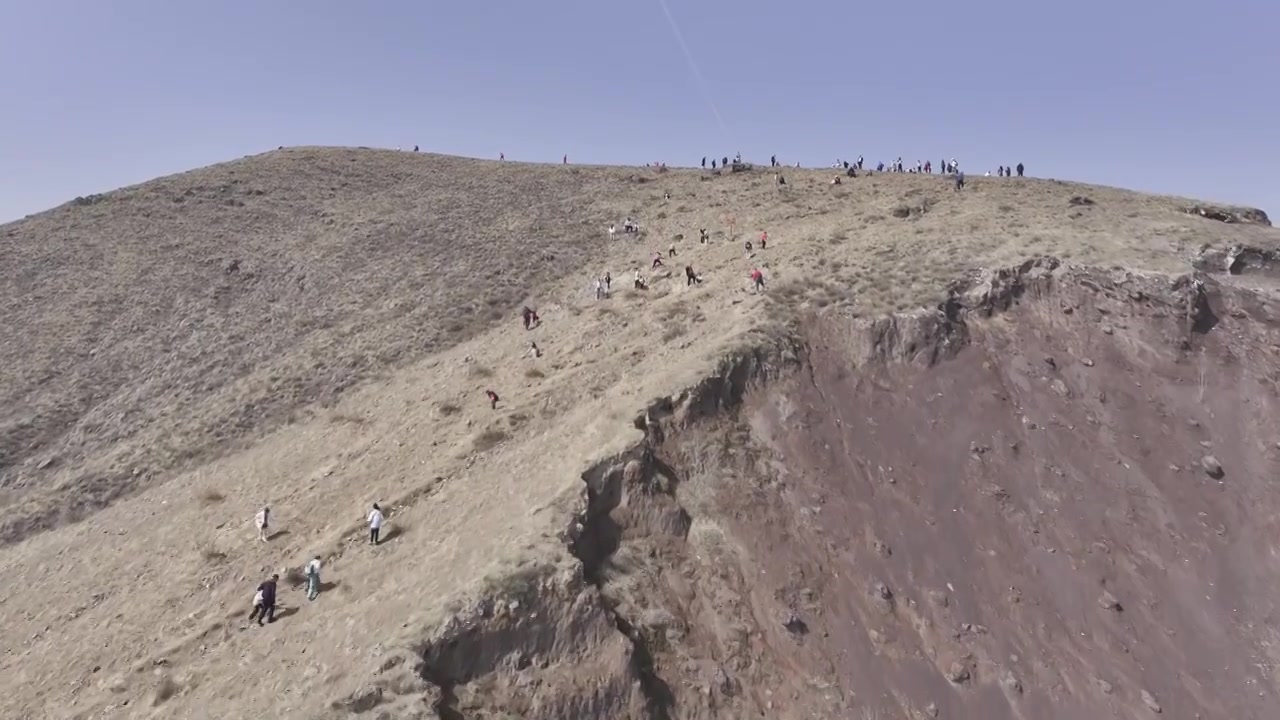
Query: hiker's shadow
(328, 586)
(277, 534)
(393, 532)
(286, 612)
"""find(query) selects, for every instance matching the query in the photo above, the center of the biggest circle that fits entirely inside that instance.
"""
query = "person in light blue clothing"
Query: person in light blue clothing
(313, 578)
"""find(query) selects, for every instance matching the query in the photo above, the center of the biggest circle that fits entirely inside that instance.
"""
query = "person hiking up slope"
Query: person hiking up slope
(375, 523)
(263, 522)
(264, 601)
(530, 317)
(312, 572)
(757, 280)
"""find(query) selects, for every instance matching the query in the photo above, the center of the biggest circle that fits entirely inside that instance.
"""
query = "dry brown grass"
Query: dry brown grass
(294, 577)
(147, 352)
(165, 323)
(211, 497)
(211, 554)
(488, 439)
(166, 688)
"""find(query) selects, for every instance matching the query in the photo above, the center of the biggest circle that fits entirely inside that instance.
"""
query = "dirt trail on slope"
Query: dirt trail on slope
(1050, 498)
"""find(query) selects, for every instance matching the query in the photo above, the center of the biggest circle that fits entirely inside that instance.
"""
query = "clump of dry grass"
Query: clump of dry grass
(534, 374)
(294, 577)
(211, 554)
(516, 583)
(165, 689)
(489, 439)
(210, 496)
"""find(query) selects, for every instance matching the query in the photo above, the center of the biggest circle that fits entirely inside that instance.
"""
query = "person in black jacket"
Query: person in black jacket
(264, 605)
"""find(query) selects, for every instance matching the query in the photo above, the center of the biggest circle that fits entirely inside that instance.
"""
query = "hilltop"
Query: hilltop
(314, 328)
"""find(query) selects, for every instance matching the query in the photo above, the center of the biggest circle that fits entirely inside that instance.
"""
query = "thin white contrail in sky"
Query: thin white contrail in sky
(693, 65)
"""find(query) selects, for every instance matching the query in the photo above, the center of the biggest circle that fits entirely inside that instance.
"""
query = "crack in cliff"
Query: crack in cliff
(595, 537)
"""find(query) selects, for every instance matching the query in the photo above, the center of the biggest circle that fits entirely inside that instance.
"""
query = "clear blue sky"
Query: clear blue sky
(1170, 95)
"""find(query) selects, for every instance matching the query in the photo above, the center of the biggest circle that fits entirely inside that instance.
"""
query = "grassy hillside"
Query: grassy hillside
(314, 329)
(153, 328)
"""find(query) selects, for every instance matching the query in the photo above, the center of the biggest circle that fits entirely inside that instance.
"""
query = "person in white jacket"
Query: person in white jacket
(263, 522)
(375, 523)
(313, 578)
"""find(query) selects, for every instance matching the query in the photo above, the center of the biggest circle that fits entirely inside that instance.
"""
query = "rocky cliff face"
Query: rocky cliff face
(1052, 496)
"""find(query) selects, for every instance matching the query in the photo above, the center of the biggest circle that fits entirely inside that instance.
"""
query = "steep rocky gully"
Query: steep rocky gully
(1051, 497)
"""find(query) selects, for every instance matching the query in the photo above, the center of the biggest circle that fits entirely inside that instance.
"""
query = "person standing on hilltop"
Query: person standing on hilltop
(375, 520)
(565, 160)
(1019, 169)
(312, 572)
(704, 162)
(264, 602)
(263, 521)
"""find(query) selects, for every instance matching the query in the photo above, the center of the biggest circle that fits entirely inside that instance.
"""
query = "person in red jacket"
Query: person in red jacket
(757, 279)
(493, 399)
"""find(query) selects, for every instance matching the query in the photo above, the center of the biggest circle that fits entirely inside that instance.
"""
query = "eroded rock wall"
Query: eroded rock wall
(1053, 496)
